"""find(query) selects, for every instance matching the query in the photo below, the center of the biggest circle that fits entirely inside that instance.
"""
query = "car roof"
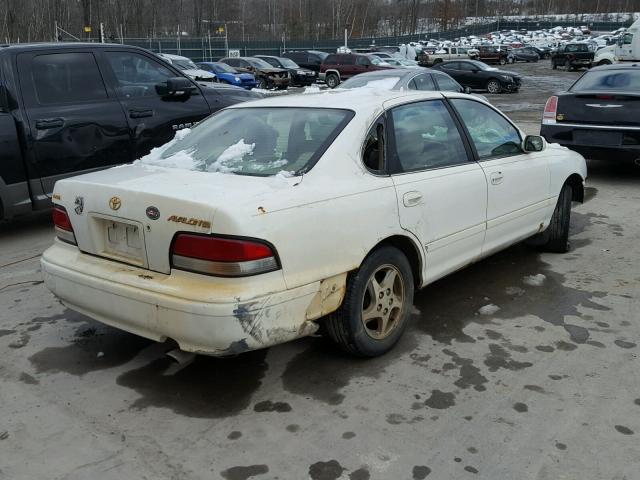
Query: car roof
(18, 47)
(173, 57)
(398, 72)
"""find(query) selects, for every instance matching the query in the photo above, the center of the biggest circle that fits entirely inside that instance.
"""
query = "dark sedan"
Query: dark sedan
(524, 55)
(480, 76)
(300, 77)
(599, 116)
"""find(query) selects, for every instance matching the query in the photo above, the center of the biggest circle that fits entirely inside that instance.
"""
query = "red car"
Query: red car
(339, 66)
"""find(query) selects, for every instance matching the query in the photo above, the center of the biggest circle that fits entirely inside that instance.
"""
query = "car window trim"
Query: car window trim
(392, 155)
(470, 139)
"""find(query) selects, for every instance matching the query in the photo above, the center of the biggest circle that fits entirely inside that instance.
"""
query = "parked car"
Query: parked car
(224, 263)
(266, 75)
(599, 116)
(188, 67)
(229, 75)
(405, 79)
(492, 54)
(447, 53)
(479, 76)
(300, 77)
(524, 55)
(572, 56)
(310, 59)
(543, 52)
(341, 66)
(66, 108)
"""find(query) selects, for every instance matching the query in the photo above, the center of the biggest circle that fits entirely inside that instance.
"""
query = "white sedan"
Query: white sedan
(274, 216)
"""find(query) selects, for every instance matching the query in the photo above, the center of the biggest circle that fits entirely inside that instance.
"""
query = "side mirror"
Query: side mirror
(533, 143)
(175, 87)
(467, 90)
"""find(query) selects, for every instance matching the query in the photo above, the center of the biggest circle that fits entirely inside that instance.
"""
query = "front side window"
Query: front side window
(492, 135)
(137, 75)
(447, 84)
(426, 137)
(255, 141)
(627, 38)
(67, 78)
(422, 82)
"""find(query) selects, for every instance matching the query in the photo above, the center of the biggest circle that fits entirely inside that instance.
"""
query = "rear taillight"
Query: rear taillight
(62, 224)
(222, 256)
(550, 110)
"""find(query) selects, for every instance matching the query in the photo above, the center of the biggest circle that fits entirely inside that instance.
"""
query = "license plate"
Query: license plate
(596, 138)
(123, 240)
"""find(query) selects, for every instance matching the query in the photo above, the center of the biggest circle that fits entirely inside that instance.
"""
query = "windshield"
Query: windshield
(288, 63)
(185, 64)
(223, 67)
(617, 80)
(258, 63)
(376, 60)
(254, 141)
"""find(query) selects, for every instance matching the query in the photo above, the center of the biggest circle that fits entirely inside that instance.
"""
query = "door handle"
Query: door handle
(496, 178)
(48, 123)
(140, 113)
(411, 199)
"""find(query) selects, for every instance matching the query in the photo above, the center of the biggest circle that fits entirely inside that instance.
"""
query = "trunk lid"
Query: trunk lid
(599, 108)
(131, 213)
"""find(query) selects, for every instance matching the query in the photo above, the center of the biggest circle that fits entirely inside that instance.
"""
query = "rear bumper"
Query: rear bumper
(182, 306)
(564, 135)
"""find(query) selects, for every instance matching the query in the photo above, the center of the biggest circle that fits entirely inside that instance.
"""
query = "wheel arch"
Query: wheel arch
(410, 250)
(334, 71)
(577, 187)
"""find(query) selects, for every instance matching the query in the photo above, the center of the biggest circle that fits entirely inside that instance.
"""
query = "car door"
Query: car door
(441, 191)
(469, 73)
(518, 182)
(153, 118)
(76, 121)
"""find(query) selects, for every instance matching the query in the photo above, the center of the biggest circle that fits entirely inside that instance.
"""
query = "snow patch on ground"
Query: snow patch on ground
(489, 309)
(414, 311)
(269, 92)
(311, 89)
(534, 280)
(514, 291)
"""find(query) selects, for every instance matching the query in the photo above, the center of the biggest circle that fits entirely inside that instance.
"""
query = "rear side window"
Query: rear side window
(67, 78)
(447, 84)
(347, 60)
(373, 153)
(614, 80)
(426, 137)
(331, 60)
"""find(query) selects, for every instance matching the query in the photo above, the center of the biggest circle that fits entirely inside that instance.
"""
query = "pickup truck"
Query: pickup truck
(572, 56)
(70, 108)
(447, 53)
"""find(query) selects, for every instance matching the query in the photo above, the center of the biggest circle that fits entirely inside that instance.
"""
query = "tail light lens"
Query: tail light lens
(550, 111)
(62, 224)
(221, 256)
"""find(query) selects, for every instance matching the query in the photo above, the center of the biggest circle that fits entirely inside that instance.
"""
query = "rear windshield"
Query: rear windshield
(382, 82)
(254, 141)
(616, 80)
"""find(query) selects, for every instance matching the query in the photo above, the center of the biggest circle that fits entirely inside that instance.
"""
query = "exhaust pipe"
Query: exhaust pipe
(181, 359)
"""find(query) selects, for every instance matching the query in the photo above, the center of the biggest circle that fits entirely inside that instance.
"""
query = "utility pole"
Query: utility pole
(101, 32)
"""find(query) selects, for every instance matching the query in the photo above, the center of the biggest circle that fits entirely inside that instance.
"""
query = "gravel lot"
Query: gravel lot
(523, 366)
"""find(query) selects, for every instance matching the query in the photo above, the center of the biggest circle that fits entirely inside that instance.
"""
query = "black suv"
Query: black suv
(77, 107)
(311, 59)
(300, 77)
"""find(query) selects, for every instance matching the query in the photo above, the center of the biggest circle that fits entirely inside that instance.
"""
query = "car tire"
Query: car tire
(604, 62)
(567, 65)
(494, 86)
(384, 276)
(263, 84)
(554, 66)
(332, 80)
(502, 61)
(556, 237)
